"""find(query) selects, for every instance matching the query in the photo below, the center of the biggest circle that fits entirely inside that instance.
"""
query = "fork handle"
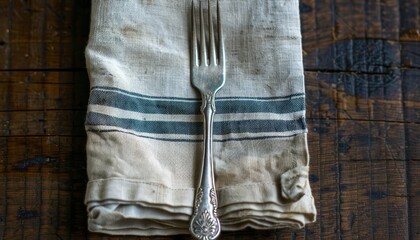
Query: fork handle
(204, 222)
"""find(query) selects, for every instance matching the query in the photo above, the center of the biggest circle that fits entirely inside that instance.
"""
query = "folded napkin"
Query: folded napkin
(144, 124)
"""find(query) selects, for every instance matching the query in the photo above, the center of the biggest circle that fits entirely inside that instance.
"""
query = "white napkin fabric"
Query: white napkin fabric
(144, 124)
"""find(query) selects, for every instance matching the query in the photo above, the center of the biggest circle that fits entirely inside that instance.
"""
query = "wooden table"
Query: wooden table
(362, 62)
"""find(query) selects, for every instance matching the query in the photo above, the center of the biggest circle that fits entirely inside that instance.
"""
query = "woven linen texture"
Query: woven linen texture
(145, 128)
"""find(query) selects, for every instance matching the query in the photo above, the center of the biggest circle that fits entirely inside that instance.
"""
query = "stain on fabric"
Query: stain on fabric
(129, 31)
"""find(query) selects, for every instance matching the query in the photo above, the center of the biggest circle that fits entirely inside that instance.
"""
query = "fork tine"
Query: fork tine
(221, 38)
(211, 38)
(203, 48)
(194, 49)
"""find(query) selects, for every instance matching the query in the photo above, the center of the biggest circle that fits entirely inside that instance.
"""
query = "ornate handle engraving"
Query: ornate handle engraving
(204, 222)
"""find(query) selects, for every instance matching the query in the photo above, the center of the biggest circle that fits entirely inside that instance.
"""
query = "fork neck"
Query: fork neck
(208, 107)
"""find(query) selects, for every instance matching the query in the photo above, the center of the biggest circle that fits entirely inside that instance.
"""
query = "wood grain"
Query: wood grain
(362, 71)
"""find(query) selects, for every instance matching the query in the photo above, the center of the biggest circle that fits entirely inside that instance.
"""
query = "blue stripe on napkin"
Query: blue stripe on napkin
(166, 106)
(157, 105)
(195, 128)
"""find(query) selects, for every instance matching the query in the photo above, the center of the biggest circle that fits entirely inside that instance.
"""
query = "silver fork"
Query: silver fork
(208, 76)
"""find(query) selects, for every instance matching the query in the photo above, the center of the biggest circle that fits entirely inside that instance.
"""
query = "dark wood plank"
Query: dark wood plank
(28, 91)
(412, 148)
(43, 34)
(413, 177)
(410, 54)
(354, 77)
(355, 96)
(362, 75)
(324, 168)
(409, 20)
(5, 25)
(313, 231)
(39, 191)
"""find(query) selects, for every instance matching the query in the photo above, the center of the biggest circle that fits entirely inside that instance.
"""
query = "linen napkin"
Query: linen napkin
(144, 125)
